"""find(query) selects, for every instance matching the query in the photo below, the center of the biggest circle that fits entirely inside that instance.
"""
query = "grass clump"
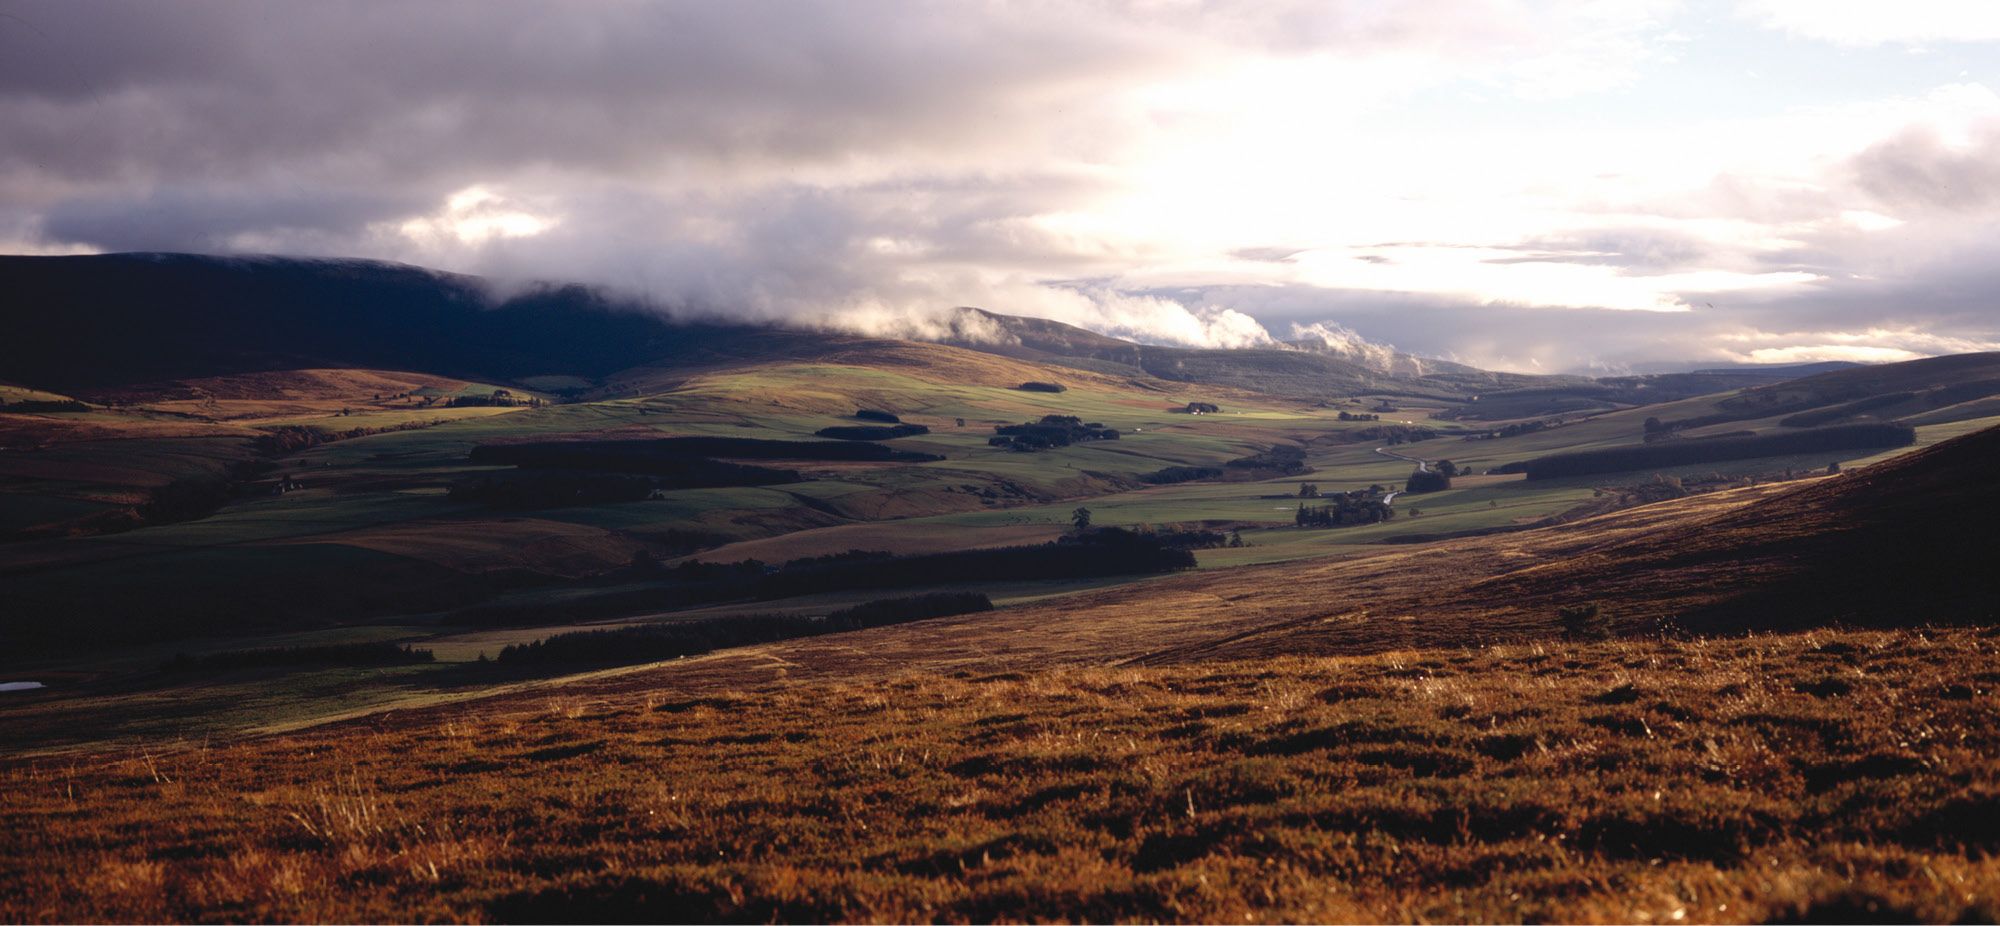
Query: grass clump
(1281, 789)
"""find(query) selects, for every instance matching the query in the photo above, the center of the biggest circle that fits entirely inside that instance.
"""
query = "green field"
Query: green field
(368, 545)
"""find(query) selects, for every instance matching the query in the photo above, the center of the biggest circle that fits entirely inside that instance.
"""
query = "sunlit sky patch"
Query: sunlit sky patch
(1587, 186)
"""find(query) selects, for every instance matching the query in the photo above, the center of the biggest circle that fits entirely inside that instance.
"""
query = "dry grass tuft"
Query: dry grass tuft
(1799, 777)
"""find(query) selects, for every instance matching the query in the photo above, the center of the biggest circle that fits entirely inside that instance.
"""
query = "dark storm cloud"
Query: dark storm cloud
(861, 158)
(441, 88)
(211, 220)
(342, 114)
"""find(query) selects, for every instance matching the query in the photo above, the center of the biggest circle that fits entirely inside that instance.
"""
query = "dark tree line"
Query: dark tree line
(654, 642)
(1343, 509)
(1283, 459)
(1522, 427)
(42, 406)
(1391, 434)
(1037, 386)
(1099, 552)
(1427, 480)
(326, 655)
(871, 432)
(1173, 474)
(1051, 431)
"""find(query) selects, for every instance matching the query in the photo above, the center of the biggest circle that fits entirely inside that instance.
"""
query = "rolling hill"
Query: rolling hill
(91, 322)
(1259, 744)
(270, 522)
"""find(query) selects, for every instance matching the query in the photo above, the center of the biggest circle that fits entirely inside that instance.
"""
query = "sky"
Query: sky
(1590, 186)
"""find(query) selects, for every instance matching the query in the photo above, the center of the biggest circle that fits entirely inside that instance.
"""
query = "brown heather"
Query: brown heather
(1845, 775)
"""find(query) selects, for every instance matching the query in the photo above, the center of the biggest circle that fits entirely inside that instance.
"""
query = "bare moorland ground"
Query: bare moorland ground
(1851, 775)
(1468, 765)
(1398, 733)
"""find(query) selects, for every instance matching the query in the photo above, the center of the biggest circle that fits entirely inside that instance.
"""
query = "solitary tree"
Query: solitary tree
(1080, 518)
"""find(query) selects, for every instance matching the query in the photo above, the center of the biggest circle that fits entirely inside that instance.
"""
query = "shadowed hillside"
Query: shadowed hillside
(152, 317)
(1903, 542)
(116, 319)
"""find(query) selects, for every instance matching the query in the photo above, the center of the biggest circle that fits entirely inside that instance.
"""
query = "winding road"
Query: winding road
(1422, 467)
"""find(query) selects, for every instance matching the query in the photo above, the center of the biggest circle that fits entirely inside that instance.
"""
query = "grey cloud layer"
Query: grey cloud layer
(857, 158)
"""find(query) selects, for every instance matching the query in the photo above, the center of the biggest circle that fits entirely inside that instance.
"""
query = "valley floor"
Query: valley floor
(1845, 775)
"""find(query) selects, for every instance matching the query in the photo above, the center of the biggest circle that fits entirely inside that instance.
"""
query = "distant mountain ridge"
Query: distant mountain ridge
(1290, 370)
(94, 321)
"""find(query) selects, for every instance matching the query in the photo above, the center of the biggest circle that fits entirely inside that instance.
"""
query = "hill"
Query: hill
(1312, 725)
(1901, 542)
(107, 320)
(1326, 742)
(1897, 544)
(1288, 370)
(157, 317)
(1830, 778)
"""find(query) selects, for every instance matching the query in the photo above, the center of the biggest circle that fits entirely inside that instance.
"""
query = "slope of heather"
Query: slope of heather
(1826, 777)
(1904, 541)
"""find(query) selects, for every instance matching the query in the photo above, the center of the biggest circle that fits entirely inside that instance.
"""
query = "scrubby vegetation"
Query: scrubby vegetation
(1427, 480)
(293, 438)
(1685, 452)
(334, 654)
(1583, 622)
(1173, 474)
(42, 406)
(1039, 386)
(1283, 460)
(1344, 509)
(1052, 431)
(1518, 428)
(186, 499)
(1387, 434)
(1809, 777)
(498, 398)
(1201, 408)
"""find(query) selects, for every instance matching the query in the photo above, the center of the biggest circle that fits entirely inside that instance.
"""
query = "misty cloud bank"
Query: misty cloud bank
(1206, 174)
